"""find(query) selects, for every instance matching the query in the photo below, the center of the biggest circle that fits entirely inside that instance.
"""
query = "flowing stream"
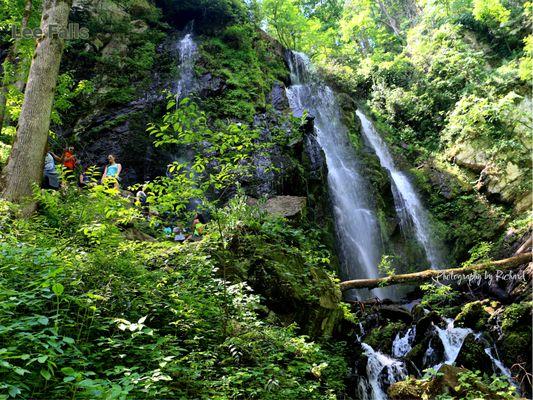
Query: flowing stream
(381, 371)
(402, 344)
(452, 339)
(408, 205)
(355, 219)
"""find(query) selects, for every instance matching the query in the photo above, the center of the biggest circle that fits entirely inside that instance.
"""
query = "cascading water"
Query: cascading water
(185, 85)
(502, 369)
(402, 344)
(452, 339)
(408, 205)
(187, 56)
(355, 220)
(381, 371)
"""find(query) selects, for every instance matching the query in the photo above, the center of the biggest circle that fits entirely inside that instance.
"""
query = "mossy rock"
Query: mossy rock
(416, 356)
(516, 348)
(424, 324)
(446, 381)
(517, 317)
(473, 356)
(446, 384)
(410, 389)
(418, 353)
(381, 338)
(473, 315)
(515, 345)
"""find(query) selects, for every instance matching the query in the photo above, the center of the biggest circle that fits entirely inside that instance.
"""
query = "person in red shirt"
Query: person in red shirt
(69, 159)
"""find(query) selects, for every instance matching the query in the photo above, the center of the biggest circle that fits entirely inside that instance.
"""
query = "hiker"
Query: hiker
(197, 228)
(178, 234)
(68, 159)
(50, 175)
(112, 171)
(140, 197)
(85, 179)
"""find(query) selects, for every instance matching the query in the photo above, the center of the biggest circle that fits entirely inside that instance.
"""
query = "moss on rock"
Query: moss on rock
(473, 315)
(410, 389)
(381, 338)
(473, 356)
(515, 345)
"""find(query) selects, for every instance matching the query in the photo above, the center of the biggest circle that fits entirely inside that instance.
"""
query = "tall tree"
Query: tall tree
(25, 164)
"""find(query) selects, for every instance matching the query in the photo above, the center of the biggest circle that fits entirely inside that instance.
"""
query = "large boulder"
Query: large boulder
(109, 10)
(474, 315)
(284, 206)
(409, 389)
(500, 180)
(278, 97)
(469, 156)
(473, 356)
(394, 312)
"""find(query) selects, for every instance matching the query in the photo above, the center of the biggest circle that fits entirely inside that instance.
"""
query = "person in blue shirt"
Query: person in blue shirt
(51, 177)
(112, 171)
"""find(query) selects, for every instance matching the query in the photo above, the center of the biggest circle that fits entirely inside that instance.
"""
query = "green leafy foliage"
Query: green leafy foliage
(221, 156)
(472, 385)
(441, 298)
(97, 316)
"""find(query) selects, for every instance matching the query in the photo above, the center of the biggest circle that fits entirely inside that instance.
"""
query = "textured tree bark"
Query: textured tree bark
(21, 81)
(25, 165)
(12, 59)
(417, 277)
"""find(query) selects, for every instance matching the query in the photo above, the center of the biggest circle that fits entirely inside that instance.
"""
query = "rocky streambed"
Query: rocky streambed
(434, 345)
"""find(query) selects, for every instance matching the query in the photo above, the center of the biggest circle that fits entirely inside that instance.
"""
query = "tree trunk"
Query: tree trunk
(391, 21)
(442, 274)
(25, 166)
(21, 81)
(14, 60)
(3, 103)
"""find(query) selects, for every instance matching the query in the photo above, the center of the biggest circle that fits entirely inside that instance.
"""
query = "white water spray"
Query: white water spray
(408, 205)
(382, 371)
(452, 339)
(355, 219)
(187, 55)
(402, 344)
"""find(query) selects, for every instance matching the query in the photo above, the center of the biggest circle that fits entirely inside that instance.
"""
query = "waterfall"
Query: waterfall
(402, 344)
(408, 205)
(355, 220)
(452, 339)
(187, 57)
(382, 371)
(430, 358)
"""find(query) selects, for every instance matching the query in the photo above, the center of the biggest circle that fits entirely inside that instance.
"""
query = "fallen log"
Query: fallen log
(441, 274)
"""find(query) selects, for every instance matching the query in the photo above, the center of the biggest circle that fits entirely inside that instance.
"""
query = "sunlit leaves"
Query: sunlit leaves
(490, 11)
(221, 156)
(58, 289)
